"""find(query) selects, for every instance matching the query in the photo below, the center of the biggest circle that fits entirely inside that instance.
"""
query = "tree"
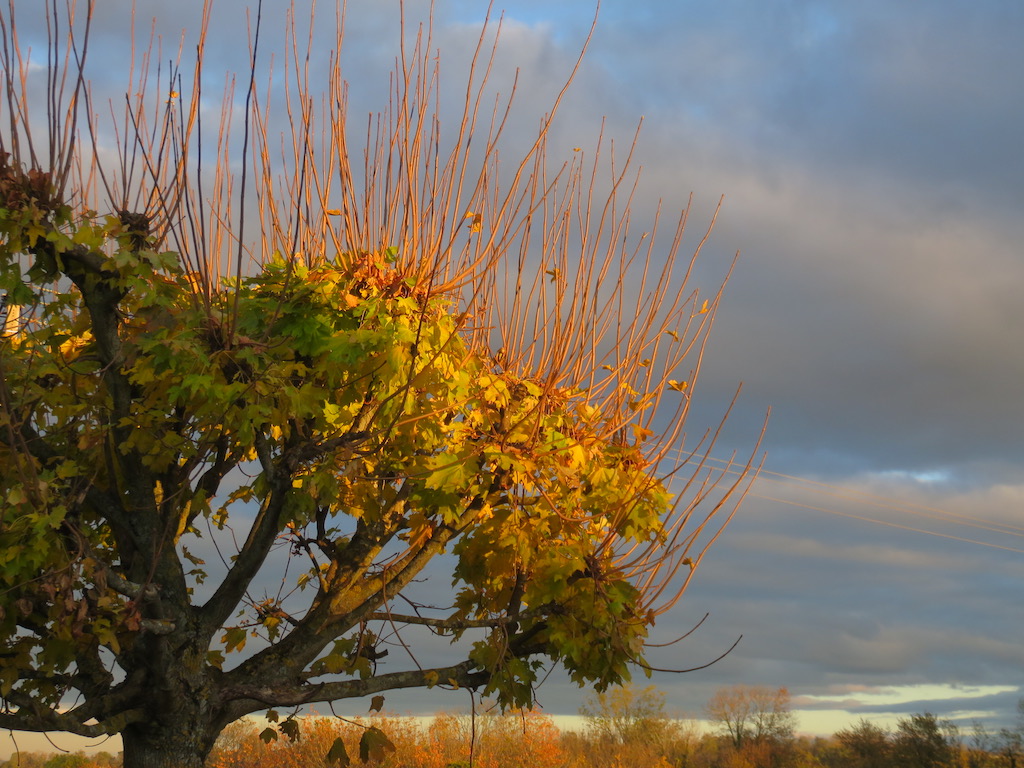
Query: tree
(867, 745)
(226, 459)
(490, 740)
(628, 725)
(922, 741)
(627, 714)
(1011, 740)
(982, 748)
(752, 713)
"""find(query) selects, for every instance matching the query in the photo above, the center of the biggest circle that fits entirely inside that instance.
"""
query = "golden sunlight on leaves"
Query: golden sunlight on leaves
(330, 406)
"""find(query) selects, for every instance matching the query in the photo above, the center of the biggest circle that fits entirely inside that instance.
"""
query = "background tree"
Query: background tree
(61, 760)
(226, 454)
(752, 713)
(493, 740)
(865, 745)
(626, 713)
(1011, 740)
(982, 749)
(923, 741)
(629, 725)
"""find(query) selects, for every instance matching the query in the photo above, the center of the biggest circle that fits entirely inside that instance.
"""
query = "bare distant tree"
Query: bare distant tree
(752, 713)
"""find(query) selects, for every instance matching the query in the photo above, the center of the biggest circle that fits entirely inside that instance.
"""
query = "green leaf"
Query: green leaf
(338, 754)
(291, 729)
(374, 745)
(234, 639)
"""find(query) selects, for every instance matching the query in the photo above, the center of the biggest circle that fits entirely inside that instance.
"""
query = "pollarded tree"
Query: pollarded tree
(420, 352)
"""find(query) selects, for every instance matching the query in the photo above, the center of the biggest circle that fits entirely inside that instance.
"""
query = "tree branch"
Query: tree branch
(121, 585)
(95, 498)
(254, 551)
(331, 618)
(30, 716)
(451, 623)
(249, 698)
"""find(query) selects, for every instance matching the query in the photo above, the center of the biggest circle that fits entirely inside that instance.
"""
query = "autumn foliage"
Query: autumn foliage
(630, 729)
(527, 739)
(228, 455)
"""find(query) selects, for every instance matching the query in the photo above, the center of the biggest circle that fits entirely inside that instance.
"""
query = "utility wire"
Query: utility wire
(838, 492)
(885, 522)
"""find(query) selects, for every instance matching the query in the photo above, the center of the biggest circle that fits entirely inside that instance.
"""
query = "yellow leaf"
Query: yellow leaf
(333, 212)
(640, 433)
(11, 320)
(678, 386)
(577, 456)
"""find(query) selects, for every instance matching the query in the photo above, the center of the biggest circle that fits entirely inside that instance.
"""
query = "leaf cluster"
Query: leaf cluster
(342, 399)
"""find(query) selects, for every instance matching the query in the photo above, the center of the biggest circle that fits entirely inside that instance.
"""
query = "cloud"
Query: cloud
(816, 124)
(869, 157)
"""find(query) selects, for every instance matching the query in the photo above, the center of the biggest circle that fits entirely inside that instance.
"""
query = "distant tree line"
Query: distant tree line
(627, 727)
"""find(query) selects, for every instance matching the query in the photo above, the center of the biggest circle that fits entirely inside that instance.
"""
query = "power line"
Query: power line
(885, 522)
(888, 502)
(843, 493)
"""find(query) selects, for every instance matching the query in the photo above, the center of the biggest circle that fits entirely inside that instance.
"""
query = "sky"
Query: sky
(870, 159)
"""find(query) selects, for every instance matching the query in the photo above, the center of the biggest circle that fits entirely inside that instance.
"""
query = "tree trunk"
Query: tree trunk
(181, 721)
(160, 745)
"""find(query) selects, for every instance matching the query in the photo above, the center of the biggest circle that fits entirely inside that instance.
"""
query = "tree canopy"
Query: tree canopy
(405, 361)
